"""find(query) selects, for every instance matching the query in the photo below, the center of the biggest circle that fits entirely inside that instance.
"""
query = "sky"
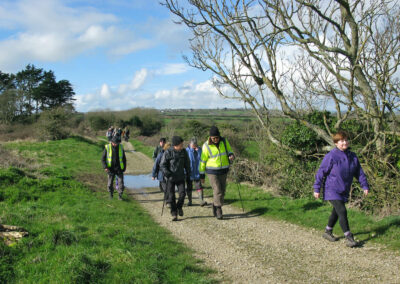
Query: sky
(117, 54)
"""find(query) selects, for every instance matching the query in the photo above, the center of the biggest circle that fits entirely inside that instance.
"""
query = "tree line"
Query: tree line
(30, 92)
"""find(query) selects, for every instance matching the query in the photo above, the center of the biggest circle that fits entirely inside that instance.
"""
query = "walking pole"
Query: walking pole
(238, 187)
(162, 210)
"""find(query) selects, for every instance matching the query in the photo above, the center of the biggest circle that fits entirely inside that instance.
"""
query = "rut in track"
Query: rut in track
(247, 248)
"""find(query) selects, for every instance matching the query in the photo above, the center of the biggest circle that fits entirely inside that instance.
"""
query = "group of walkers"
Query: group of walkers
(180, 168)
(117, 132)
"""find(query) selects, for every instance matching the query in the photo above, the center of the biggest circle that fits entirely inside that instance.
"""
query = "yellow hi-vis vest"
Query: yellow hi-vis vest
(109, 155)
(214, 158)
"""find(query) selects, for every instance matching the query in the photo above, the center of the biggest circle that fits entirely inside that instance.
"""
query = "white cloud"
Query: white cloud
(138, 80)
(173, 69)
(125, 96)
(49, 31)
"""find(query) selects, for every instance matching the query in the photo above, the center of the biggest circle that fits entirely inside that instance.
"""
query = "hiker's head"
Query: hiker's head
(114, 141)
(177, 143)
(193, 143)
(162, 141)
(167, 145)
(341, 140)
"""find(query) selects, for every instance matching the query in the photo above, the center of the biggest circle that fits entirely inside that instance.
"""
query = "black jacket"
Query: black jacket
(115, 164)
(174, 164)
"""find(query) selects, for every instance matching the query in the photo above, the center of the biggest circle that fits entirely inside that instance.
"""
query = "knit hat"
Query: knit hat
(176, 140)
(115, 140)
(214, 131)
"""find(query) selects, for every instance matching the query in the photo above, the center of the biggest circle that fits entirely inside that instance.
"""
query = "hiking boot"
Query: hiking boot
(350, 242)
(214, 210)
(329, 236)
(219, 213)
(174, 216)
(119, 196)
(180, 212)
(189, 203)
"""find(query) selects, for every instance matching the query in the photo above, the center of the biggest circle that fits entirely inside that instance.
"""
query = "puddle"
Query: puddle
(139, 181)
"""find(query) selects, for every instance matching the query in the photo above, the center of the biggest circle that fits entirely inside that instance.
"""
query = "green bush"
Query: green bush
(195, 128)
(150, 125)
(298, 178)
(299, 137)
(53, 124)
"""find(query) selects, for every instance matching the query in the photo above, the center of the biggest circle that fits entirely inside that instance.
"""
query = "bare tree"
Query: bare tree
(301, 55)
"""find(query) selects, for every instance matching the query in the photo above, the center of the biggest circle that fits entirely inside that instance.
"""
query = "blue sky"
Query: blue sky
(117, 54)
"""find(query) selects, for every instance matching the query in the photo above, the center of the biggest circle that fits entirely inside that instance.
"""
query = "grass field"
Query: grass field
(77, 234)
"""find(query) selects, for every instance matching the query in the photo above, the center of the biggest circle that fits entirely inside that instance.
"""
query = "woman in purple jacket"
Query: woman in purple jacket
(338, 168)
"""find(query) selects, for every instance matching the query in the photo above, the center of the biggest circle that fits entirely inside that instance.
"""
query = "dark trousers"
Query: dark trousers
(339, 212)
(171, 195)
(110, 183)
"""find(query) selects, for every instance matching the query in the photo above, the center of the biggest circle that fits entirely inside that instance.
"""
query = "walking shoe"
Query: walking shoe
(350, 242)
(119, 196)
(214, 210)
(174, 216)
(189, 203)
(180, 212)
(219, 213)
(329, 236)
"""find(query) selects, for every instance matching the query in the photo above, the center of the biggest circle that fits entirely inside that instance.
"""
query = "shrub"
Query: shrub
(53, 124)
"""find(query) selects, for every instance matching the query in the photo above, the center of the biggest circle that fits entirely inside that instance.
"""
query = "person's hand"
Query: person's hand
(202, 180)
(316, 195)
(153, 178)
(366, 191)
(231, 158)
(106, 170)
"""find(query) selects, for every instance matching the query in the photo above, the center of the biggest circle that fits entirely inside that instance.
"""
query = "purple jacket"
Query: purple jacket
(339, 168)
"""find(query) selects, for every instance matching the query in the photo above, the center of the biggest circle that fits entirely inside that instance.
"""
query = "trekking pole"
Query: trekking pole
(238, 185)
(163, 204)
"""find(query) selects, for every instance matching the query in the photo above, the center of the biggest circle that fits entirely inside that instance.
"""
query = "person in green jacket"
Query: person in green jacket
(216, 157)
(114, 164)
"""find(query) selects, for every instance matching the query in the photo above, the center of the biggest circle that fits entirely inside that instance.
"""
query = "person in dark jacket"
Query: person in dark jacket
(158, 173)
(114, 164)
(194, 153)
(159, 148)
(337, 170)
(174, 163)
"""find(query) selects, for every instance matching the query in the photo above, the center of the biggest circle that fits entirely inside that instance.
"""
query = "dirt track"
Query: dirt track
(245, 248)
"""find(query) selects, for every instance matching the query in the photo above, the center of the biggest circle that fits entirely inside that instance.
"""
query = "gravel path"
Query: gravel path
(245, 248)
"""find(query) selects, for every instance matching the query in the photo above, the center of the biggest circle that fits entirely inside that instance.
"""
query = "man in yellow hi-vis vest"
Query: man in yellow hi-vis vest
(216, 156)
(114, 164)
